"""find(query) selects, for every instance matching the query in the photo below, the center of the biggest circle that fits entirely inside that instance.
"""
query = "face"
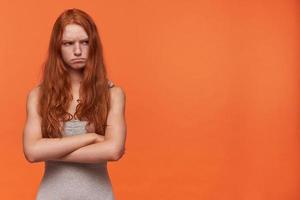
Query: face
(74, 46)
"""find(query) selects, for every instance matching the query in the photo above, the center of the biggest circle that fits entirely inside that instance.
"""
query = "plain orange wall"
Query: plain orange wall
(212, 88)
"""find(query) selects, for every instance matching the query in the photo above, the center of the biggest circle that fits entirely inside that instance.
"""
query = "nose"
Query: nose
(77, 49)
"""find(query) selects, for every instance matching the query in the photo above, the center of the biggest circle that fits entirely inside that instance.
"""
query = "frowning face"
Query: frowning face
(75, 46)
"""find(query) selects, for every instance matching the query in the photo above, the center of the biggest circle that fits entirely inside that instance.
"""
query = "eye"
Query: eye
(85, 42)
(67, 43)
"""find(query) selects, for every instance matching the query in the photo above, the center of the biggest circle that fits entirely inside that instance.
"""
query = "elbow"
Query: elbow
(33, 159)
(117, 154)
(30, 156)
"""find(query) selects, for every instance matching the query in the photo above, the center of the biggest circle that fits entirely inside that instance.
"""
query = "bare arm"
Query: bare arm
(113, 145)
(38, 149)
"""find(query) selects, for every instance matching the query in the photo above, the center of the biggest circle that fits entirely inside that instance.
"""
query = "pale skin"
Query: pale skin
(83, 148)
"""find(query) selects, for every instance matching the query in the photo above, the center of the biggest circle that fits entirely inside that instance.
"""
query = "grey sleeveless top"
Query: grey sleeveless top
(75, 181)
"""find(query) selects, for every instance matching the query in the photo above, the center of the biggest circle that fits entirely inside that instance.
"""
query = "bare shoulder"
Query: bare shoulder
(32, 98)
(34, 92)
(117, 93)
(118, 96)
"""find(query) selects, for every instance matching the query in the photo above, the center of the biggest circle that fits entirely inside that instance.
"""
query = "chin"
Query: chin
(77, 66)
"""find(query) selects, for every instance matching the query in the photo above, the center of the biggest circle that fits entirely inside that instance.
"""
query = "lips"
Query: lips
(78, 60)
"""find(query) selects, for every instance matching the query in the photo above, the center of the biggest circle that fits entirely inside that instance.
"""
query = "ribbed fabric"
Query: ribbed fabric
(75, 181)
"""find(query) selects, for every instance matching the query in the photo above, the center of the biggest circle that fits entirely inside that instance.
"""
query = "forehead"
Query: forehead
(73, 32)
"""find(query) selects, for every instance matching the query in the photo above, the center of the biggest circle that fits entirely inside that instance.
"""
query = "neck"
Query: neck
(76, 77)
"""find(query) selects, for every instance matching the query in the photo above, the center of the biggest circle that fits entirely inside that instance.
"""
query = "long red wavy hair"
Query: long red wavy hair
(55, 86)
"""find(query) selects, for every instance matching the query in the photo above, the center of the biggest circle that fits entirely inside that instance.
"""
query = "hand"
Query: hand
(99, 138)
(96, 137)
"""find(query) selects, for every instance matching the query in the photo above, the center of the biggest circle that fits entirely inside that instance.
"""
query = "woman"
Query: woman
(75, 116)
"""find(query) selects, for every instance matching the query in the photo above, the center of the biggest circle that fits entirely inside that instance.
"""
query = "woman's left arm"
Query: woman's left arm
(112, 147)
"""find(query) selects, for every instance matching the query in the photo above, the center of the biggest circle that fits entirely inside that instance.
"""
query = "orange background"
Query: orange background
(212, 93)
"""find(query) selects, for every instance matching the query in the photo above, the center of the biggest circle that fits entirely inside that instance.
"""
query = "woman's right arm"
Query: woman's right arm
(38, 149)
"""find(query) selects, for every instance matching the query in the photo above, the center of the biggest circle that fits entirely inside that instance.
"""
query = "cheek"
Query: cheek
(86, 51)
(65, 54)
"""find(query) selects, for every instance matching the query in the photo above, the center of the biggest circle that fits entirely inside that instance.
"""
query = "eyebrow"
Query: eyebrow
(73, 40)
